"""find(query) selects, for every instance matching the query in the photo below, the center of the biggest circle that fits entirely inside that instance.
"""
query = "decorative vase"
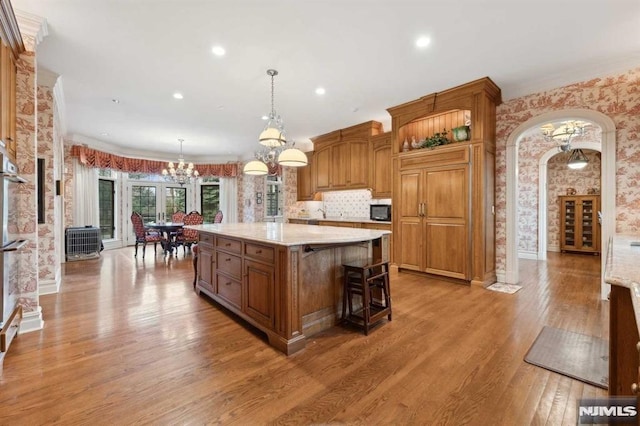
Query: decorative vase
(461, 133)
(405, 145)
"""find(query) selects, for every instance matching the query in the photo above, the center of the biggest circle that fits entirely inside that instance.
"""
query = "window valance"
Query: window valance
(94, 158)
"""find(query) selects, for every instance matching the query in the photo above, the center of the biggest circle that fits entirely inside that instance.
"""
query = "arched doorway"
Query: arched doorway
(608, 146)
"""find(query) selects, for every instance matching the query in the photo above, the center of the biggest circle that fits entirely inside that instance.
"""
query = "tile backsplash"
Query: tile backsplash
(352, 203)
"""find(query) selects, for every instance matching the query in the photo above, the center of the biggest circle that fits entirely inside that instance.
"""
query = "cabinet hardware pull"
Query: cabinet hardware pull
(258, 251)
(228, 245)
(228, 259)
(228, 283)
(634, 388)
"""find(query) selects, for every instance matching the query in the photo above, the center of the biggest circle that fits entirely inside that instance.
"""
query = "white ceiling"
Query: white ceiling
(361, 51)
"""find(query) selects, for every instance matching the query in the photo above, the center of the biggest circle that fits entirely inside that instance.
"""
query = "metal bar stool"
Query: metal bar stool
(361, 278)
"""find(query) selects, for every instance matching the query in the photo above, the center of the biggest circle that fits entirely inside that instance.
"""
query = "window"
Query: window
(274, 197)
(175, 200)
(143, 201)
(106, 206)
(210, 198)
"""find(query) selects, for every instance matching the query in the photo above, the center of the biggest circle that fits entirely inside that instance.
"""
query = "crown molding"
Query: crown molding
(9, 29)
(32, 26)
(46, 77)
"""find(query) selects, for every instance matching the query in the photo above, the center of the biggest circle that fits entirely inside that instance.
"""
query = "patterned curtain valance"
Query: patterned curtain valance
(93, 158)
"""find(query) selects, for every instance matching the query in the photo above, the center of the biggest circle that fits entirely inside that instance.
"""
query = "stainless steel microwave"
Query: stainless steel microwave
(380, 212)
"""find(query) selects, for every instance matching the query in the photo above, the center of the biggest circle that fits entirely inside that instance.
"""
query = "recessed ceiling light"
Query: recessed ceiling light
(264, 117)
(423, 42)
(320, 91)
(218, 50)
(115, 101)
(178, 95)
(104, 134)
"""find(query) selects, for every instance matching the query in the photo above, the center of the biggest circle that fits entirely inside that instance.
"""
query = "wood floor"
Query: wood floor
(127, 341)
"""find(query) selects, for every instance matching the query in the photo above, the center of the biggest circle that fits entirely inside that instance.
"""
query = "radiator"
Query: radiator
(82, 243)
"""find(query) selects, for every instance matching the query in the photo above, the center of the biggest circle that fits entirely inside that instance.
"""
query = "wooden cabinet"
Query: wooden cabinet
(434, 217)
(444, 197)
(579, 226)
(341, 158)
(240, 275)
(380, 166)
(305, 183)
(8, 73)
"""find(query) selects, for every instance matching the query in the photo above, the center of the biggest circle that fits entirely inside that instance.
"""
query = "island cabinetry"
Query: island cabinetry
(286, 280)
(341, 158)
(444, 196)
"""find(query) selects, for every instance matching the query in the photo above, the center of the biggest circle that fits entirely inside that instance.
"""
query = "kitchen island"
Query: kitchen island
(284, 279)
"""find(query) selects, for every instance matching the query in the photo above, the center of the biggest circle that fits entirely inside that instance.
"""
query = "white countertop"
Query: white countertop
(623, 267)
(342, 219)
(288, 234)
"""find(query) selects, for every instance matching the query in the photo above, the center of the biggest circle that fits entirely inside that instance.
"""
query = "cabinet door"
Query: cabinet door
(358, 169)
(340, 163)
(446, 212)
(305, 180)
(588, 214)
(410, 238)
(206, 269)
(322, 168)
(260, 287)
(568, 223)
(380, 171)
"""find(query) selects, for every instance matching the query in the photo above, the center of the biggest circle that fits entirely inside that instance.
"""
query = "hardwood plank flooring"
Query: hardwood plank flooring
(127, 341)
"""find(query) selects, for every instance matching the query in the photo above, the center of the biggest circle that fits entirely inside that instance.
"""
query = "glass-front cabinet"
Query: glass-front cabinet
(579, 225)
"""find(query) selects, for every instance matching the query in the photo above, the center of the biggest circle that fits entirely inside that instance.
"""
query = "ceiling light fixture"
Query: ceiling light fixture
(218, 50)
(577, 160)
(178, 95)
(562, 135)
(182, 173)
(276, 149)
(423, 42)
(320, 91)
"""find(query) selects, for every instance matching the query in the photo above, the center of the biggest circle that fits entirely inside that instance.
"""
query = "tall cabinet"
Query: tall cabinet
(579, 225)
(444, 197)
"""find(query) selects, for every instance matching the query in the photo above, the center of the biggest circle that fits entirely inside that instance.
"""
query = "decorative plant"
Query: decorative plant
(439, 138)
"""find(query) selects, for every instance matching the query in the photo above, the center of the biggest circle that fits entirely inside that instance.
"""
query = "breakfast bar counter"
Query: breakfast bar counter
(284, 279)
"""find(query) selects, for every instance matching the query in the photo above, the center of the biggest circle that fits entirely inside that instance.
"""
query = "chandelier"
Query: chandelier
(182, 173)
(276, 149)
(563, 135)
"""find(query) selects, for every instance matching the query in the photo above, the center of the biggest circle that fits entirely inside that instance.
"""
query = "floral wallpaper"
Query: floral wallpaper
(559, 179)
(47, 259)
(26, 103)
(618, 97)
(248, 209)
(531, 149)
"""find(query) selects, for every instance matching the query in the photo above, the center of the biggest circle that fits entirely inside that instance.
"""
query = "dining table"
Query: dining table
(170, 230)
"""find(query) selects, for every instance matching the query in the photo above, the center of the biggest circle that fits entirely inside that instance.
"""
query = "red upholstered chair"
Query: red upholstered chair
(177, 217)
(189, 236)
(218, 217)
(145, 235)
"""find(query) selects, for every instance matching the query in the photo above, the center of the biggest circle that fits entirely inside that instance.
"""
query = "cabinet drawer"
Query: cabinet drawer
(206, 239)
(259, 252)
(229, 264)
(227, 244)
(230, 290)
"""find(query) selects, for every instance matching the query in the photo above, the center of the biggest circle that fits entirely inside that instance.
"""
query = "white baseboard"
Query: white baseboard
(528, 255)
(112, 244)
(31, 321)
(553, 248)
(48, 287)
(500, 277)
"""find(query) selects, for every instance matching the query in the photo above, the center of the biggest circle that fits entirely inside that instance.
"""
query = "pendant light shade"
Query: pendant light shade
(255, 168)
(292, 157)
(578, 160)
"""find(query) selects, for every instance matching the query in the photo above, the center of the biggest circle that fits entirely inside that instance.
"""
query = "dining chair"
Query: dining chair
(177, 217)
(145, 235)
(189, 236)
(218, 217)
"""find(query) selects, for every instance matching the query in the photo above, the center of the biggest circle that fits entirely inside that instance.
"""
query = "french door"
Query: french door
(156, 202)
